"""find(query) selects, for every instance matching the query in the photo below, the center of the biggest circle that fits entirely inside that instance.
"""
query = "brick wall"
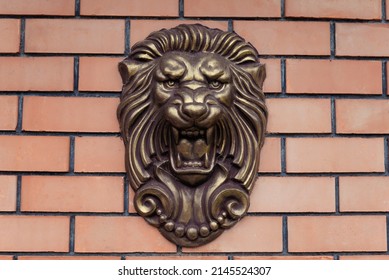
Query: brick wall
(323, 187)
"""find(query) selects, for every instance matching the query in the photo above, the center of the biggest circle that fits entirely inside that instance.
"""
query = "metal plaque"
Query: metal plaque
(193, 118)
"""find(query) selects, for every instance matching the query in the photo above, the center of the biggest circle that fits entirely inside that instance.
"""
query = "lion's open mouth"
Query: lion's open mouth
(192, 150)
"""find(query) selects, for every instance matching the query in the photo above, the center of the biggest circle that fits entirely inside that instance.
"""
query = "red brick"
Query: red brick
(37, 7)
(286, 37)
(72, 194)
(352, 9)
(99, 154)
(231, 8)
(9, 35)
(70, 258)
(99, 74)
(365, 257)
(252, 234)
(7, 193)
(131, 196)
(34, 153)
(362, 116)
(335, 155)
(352, 38)
(337, 233)
(271, 156)
(333, 76)
(299, 115)
(8, 112)
(34, 234)
(87, 114)
(129, 8)
(36, 73)
(298, 258)
(364, 194)
(273, 75)
(176, 258)
(118, 234)
(293, 194)
(74, 36)
(140, 29)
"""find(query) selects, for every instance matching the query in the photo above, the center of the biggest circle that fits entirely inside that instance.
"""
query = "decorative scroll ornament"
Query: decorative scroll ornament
(192, 117)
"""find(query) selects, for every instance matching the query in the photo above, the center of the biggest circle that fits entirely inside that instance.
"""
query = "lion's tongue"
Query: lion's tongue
(193, 150)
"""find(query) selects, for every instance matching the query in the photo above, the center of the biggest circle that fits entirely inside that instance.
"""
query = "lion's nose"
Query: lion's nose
(194, 110)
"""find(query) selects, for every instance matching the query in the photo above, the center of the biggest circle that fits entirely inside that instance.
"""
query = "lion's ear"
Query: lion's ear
(257, 71)
(128, 68)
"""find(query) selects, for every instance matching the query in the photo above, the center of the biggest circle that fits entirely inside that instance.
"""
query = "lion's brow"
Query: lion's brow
(173, 72)
(212, 74)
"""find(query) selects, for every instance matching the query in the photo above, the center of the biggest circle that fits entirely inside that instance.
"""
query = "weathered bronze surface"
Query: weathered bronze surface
(193, 117)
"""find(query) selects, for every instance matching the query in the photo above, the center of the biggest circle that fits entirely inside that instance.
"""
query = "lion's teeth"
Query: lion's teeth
(192, 164)
(192, 133)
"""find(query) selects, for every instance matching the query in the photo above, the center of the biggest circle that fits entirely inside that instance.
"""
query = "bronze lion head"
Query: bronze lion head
(193, 118)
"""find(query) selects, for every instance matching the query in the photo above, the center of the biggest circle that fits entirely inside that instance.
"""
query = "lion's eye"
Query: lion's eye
(216, 85)
(170, 83)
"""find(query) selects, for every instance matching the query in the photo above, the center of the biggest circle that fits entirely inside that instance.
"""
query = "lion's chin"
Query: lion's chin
(192, 153)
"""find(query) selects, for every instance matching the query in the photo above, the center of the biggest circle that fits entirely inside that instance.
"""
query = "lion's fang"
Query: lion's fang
(175, 135)
(206, 160)
(209, 135)
(179, 161)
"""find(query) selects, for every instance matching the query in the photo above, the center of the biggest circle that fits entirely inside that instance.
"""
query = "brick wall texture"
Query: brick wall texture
(323, 186)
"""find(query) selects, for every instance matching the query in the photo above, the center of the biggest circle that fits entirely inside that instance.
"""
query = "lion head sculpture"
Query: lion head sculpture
(193, 117)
